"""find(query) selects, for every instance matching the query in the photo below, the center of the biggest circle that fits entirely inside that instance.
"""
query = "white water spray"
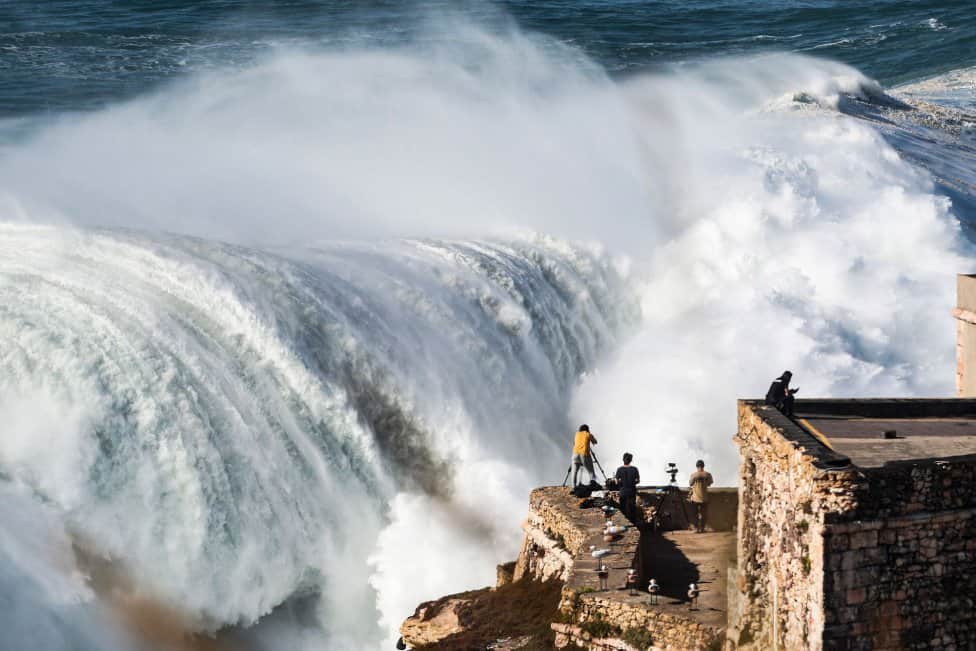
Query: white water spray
(244, 426)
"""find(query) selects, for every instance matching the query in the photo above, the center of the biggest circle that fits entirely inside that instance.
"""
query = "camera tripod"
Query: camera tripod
(596, 461)
(670, 507)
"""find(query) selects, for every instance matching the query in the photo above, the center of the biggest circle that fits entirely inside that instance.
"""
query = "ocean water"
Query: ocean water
(68, 55)
(298, 300)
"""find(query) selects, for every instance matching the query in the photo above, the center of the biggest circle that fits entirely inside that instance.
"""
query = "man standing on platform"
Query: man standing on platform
(581, 453)
(700, 481)
(627, 479)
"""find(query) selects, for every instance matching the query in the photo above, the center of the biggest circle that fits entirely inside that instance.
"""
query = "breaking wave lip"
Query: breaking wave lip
(267, 409)
(931, 123)
(327, 419)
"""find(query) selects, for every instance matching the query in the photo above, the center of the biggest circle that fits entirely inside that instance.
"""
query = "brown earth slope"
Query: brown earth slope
(523, 609)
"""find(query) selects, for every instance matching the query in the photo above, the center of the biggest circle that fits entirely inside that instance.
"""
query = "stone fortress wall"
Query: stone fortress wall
(841, 555)
(786, 483)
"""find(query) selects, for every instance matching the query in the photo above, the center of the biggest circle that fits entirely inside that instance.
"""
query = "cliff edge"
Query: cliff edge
(551, 596)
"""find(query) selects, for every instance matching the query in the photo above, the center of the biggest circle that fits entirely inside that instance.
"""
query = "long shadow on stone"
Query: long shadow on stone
(663, 560)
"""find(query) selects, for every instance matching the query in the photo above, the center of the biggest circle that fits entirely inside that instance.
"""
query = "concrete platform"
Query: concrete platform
(861, 438)
(677, 558)
(674, 559)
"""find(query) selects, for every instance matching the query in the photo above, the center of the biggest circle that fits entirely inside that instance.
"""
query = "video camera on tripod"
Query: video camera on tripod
(672, 471)
(668, 504)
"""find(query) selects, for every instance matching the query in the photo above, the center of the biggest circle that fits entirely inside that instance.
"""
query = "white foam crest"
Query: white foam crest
(956, 88)
(761, 239)
(200, 442)
(817, 249)
(325, 145)
(188, 418)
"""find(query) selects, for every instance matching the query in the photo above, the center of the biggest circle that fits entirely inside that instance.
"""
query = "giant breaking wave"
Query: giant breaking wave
(323, 413)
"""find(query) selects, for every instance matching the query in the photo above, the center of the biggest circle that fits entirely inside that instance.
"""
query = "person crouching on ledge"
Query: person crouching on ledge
(780, 395)
(627, 479)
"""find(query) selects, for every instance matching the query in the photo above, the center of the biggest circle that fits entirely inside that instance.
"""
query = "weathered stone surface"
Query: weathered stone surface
(502, 617)
(558, 536)
(433, 621)
(567, 634)
(836, 556)
(670, 623)
(504, 574)
(511, 644)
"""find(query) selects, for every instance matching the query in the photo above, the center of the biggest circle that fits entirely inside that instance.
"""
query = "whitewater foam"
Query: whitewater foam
(247, 418)
(359, 421)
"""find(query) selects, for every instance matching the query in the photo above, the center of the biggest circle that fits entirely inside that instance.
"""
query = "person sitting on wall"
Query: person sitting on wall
(780, 395)
(581, 453)
(700, 481)
(627, 479)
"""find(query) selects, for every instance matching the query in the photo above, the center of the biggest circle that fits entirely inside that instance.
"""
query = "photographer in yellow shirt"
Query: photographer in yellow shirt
(581, 453)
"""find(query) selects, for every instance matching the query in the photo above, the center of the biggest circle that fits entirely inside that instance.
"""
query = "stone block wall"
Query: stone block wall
(901, 566)
(965, 313)
(914, 487)
(906, 582)
(663, 630)
(722, 505)
(552, 538)
(832, 556)
(787, 483)
(569, 634)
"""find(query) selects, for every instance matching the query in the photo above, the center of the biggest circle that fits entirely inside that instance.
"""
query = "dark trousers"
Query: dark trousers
(701, 512)
(785, 405)
(628, 506)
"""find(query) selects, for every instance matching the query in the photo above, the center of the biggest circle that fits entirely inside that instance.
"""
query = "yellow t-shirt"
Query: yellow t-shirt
(582, 443)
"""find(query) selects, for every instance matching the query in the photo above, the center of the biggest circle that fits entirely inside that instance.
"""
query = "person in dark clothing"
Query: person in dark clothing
(780, 395)
(627, 479)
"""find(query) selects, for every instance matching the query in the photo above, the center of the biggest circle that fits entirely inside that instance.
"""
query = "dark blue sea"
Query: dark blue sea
(69, 55)
(299, 300)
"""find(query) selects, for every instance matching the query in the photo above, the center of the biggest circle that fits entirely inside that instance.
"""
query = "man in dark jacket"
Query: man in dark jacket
(627, 479)
(780, 395)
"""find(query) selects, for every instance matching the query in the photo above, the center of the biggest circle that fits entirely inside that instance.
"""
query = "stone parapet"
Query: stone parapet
(915, 486)
(555, 510)
(554, 535)
(884, 407)
(655, 629)
(567, 634)
(722, 506)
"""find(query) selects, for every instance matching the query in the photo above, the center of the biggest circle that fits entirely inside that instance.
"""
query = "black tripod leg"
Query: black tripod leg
(685, 505)
(597, 461)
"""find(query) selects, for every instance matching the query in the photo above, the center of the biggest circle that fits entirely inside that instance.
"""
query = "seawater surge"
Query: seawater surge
(286, 345)
(234, 424)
